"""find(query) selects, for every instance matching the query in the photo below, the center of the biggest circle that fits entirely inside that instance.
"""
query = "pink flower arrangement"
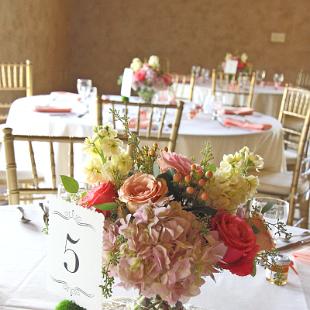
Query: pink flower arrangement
(166, 254)
(165, 233)
(243, 64)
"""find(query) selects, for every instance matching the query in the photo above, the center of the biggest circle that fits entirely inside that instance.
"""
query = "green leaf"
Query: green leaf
(211, 167)
(70, 184)
(253, 274)
(255, 229)
(68, 305)
(267, 207)
(108, 206)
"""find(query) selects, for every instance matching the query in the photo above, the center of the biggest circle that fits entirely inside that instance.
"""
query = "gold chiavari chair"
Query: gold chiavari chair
(149, 129)
(233, 84)
(294, 107)
(14, 79)
(295, 111)
(16, 192)
(184, 86)
(303, 79)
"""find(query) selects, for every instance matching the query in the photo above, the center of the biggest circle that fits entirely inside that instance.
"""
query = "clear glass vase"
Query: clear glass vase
(144, 303)
(146, 93)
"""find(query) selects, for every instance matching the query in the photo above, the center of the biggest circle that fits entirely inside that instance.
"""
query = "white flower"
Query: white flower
(228, 57)
(244, 57)
(93, 170)
(123, 162)
(105, 131)
(111, 146)
(154, 62)
(136, 64)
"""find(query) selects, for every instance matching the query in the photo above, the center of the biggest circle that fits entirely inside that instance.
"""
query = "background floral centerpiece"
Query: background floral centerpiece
(149, 78)
(243, 65)
(170, 223)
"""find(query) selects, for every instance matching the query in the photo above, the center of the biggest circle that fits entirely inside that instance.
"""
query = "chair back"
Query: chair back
(295, 119)
(233, 84)
(152, 127)
(184, 85)
(14, 79)
(303, 79)
(16, 192)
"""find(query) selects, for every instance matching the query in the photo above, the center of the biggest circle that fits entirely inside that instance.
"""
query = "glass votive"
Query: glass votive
(278, 272)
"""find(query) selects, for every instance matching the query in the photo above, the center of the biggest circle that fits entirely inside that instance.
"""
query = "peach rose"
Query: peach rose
(141, 189)
(180, 163)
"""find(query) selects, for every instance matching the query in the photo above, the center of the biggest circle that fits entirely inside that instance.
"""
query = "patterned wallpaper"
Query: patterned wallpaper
(67, 39)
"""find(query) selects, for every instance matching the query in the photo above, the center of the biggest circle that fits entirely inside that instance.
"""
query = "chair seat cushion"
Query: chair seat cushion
(279, 183)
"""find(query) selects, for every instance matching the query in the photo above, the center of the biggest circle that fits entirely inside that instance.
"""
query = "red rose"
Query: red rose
(140, 75)
(240, 240)
(241, 65)
(103, 193)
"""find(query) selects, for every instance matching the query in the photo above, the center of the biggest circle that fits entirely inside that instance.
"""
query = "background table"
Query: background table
(266, 99)
(23, 275)
(193, 134)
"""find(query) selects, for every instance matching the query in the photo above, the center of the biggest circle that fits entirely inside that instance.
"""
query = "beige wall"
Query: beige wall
(188, 32)
(67, 39)
(36, 30)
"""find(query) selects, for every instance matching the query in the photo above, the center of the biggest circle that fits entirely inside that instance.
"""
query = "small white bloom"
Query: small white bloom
(123, 162)
(93, 170)
(154, 62)
(111, 146)
(136, 64)
(228, 56)
(244, 57)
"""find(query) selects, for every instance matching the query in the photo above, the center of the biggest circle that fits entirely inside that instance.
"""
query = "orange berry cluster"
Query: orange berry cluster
(195, 183)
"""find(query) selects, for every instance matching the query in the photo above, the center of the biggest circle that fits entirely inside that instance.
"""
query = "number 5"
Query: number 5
(76, 265)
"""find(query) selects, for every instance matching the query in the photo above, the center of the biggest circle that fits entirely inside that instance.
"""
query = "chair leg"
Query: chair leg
(304, 212)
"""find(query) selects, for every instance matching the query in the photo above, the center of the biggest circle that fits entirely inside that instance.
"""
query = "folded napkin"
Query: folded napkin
(50, 109)
(303, 255)
(238, 111)
(143, 124)
(245, 124)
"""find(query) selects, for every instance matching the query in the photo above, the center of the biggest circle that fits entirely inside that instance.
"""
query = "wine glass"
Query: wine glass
(276, 210)
(278, 79)
(84, 87)
(260, 76)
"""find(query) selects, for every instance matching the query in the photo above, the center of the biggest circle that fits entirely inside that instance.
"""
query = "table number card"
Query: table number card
(127, 82)
(231, 67)
(75, 253)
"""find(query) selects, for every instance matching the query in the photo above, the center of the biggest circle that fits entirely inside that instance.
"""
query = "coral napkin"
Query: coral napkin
(303, 255)
(49, 109)
(245, 124)
(143, 124)
(238, 111)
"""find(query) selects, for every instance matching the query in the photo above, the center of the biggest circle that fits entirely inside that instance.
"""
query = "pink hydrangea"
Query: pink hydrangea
(165, 252)
(180, 163)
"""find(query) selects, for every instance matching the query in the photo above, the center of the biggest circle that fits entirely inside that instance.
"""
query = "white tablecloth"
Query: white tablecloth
(266, 99)
(193, 134)
(23, 275)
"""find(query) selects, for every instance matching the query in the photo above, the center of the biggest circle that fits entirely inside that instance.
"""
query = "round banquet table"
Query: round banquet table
(266, 99)
(193, 133)
(24, 273)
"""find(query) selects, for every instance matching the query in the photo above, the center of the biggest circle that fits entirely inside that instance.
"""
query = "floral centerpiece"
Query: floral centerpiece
(148, 77)
(172, 223)
(243, 65)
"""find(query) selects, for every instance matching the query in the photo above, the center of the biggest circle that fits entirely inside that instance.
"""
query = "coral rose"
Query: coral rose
(141, 189)
(240, 240)
(174, 161)
(103, 193)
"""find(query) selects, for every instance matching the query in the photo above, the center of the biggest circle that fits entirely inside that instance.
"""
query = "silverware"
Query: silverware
(23, 218)
(82, 114)
(288, 238)
(294, 244)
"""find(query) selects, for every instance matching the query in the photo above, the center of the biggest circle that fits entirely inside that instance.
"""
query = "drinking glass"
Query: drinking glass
(278, 79)
(278, 211)
(84, 87)
(216, 104)
(260, 76)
